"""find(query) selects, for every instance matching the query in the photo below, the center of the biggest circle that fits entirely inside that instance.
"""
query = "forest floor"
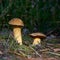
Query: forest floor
(48, 52)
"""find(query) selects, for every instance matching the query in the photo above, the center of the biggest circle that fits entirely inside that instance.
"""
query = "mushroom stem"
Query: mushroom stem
(17, 34)
(36, 41)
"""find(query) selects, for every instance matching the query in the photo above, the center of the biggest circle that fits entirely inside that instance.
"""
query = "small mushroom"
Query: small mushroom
(17, 24)
(37, 37)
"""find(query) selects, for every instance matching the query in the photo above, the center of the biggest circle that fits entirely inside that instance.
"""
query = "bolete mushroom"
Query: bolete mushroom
(37, 37)
(17, 24)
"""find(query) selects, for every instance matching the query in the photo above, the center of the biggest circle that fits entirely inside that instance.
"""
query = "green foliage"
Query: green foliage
(44, 14)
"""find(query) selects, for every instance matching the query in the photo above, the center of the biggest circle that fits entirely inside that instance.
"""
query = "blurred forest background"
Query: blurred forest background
(42, 14)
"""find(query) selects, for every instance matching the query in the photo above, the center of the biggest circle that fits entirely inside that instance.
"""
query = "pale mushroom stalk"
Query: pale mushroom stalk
(17, 34)
(36, 41)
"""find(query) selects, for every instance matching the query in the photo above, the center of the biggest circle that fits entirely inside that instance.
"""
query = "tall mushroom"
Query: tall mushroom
(17, 24)
(37, 37)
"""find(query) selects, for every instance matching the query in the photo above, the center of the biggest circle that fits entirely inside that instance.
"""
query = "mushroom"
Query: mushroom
(17, 24)
(37, 37)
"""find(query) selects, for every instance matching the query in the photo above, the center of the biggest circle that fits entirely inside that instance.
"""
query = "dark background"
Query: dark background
(42, 14)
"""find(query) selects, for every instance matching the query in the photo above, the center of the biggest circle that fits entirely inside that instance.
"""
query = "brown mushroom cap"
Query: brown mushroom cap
(39, 35)
(16, 21)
